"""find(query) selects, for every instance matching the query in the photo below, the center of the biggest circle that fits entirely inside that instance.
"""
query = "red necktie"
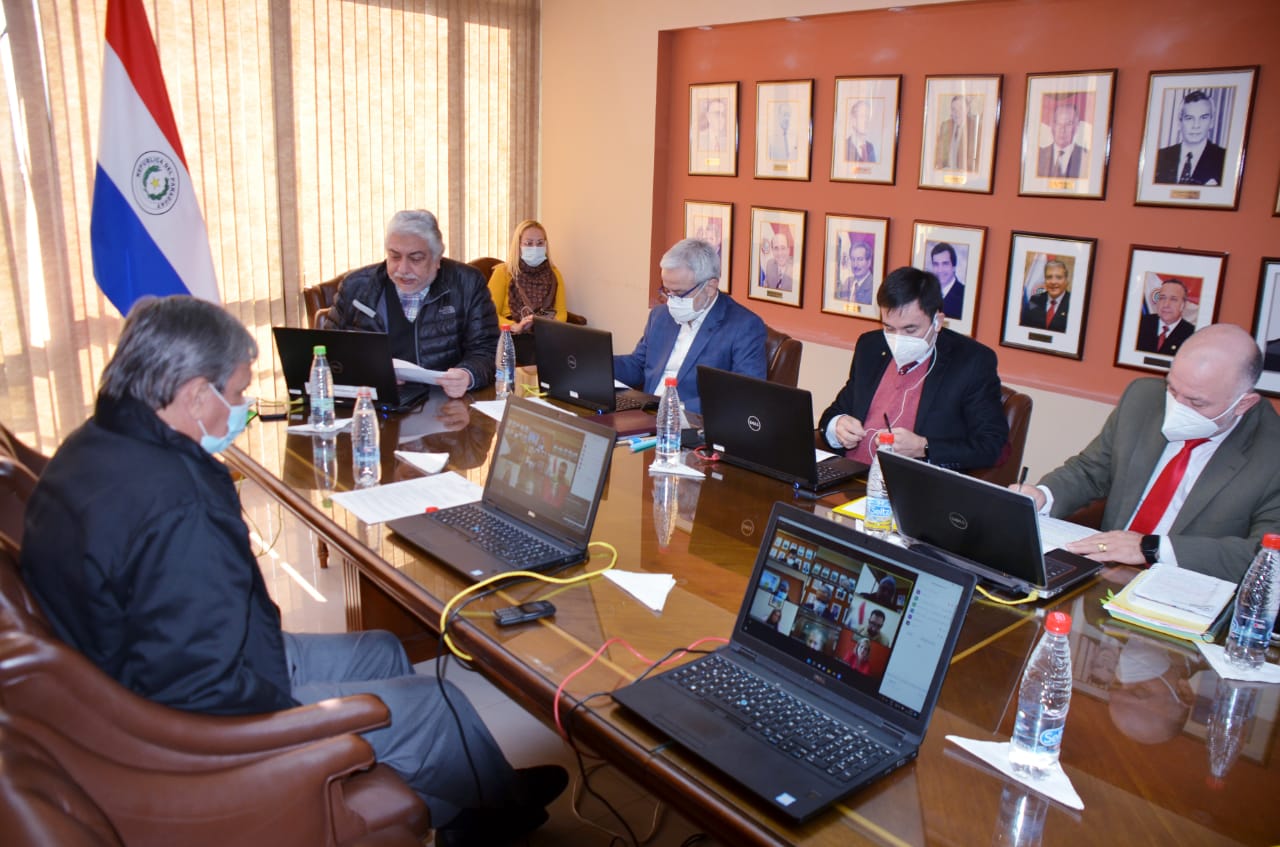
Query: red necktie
(1164, 333)
(1053, 307)
(1158, 498)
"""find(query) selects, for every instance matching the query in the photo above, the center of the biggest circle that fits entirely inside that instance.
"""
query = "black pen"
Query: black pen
(888, 426)
(1022, 477)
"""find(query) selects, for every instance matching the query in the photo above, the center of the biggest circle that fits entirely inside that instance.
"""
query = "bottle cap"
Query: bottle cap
(364, 391)
(506, 327)
(885, 437)
(1059, 623)
(319, 350)
(1271, 541)
(671, 381)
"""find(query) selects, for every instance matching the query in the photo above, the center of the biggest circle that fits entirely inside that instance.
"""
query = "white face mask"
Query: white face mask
(681, 308)
(908, 349)
(1183, 422)
(533, 256)
(1140, 661)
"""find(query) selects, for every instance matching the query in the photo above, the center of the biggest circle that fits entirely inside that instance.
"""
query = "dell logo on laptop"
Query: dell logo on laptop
(753, 423)
(572, 362)
(958, 520)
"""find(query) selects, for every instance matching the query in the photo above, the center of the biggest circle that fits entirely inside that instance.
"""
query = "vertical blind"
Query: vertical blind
(305, 123)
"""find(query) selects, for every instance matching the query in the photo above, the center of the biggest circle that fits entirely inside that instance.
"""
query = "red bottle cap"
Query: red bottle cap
(430, 509)
(885, 437)
(1059, 623)
(672, 381)
(1271, 541)
(506, 327)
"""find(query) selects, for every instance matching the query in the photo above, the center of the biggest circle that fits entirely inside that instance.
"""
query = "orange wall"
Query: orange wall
(994, 36)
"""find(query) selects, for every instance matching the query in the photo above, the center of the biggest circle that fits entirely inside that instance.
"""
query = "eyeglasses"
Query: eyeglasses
(664, 292)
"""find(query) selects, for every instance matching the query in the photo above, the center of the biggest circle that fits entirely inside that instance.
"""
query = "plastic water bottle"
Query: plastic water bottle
(1021, 821)
(669, 423)
(366, 460)
(1234, 705)
(504, 379)
(1043, 699)
(324, 457)
(666, 507)
(320, 389)
(879, 513)
(1256, 604)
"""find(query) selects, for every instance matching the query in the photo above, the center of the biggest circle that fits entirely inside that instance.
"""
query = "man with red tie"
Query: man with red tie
(1164, 331)
(1189, 465)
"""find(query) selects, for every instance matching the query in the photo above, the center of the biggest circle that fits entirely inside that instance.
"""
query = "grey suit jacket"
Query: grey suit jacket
(1235, 500)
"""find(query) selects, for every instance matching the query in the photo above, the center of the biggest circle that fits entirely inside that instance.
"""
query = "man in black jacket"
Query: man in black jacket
(438, 312)
(938, 389)
(135, 548)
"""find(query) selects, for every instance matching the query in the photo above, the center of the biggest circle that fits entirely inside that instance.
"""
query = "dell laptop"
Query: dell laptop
(831, 673)
(575, 365)
(356, 359)
(768, 428)
(545, 484)
(986, 528)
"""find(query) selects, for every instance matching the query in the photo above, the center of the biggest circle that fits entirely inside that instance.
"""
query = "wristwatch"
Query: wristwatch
(926, 450)
(1150, 546)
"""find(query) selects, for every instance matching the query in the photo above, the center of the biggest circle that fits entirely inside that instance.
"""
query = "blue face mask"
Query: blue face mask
(237, 420)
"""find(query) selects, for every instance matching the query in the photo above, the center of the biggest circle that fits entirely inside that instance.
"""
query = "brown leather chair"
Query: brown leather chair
(1017, 411)
(20, 466)
(317, 299)
(782, 357)
(164, 776)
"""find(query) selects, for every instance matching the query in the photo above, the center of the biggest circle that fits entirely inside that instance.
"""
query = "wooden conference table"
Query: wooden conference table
(1175, 758)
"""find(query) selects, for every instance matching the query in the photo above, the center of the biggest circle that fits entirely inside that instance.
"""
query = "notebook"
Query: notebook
(575, 364)
(356, 359)
(797, 653)
(985, 528)
(545, 484)
(768, 428)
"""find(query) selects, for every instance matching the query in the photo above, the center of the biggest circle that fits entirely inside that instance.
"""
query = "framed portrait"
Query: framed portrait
(713, 129)
(864, 134)
(784, 129)
(713, 223)
(1047, 299)
(1266, 326)
(954, 254)
(1193, 144)
(1170, 294)
(777, 255)
(958, 149)
(1066, 135)
(854, 266)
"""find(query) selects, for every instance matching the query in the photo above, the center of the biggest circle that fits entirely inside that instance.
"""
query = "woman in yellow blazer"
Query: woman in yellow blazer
(536, 288)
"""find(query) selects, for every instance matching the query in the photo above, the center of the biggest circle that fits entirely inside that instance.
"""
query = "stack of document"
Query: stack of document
(1173, 601)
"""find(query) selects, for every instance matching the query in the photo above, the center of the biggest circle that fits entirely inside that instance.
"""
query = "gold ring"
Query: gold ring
(1102, 548)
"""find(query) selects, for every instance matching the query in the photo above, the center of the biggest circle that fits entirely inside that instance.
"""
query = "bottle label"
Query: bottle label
(1051, 737)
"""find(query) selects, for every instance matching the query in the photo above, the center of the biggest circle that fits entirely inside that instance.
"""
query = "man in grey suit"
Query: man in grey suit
(1064, 158)
(1206, 418)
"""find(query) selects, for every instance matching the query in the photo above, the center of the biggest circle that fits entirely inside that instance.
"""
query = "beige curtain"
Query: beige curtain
(305, 124)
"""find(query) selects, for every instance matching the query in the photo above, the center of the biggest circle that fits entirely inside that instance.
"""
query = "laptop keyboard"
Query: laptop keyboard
(838, 749)
(500, 538)
(830, 471)
(1053, 570)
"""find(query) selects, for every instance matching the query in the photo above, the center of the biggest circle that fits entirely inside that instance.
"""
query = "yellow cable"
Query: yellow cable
(1030, 598)
(448, 607)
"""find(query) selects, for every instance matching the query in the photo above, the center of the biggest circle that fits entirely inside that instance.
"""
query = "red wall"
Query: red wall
(991, 37)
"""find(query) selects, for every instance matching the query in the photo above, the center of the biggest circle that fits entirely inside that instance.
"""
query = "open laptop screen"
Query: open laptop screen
(549, 463)
(869, 622)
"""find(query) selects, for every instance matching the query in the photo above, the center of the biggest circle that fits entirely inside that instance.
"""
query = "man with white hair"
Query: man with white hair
(695, 326)
(438, 312)
(1187, 464)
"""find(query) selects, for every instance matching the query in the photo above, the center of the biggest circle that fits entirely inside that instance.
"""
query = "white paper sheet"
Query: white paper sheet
(649, 588)
(411, 497)
(426, 462)
(1217, 657)
(1055, 785)
(339, 425)
(409, 372)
